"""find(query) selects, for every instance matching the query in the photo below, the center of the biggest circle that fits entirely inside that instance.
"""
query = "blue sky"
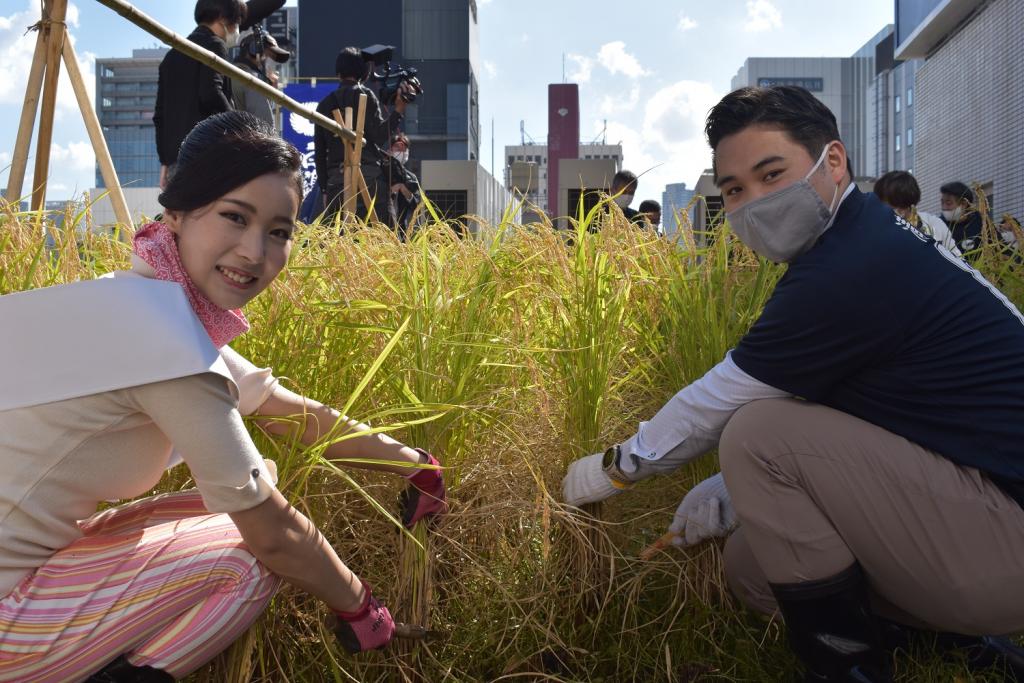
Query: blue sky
(652, 68)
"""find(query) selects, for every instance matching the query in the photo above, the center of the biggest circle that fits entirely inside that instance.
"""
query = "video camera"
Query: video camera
(391, 77)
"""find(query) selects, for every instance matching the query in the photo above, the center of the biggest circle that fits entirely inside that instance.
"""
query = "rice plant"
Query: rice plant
(507, 356)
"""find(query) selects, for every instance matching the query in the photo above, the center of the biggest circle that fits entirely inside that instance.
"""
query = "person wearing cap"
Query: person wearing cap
(258, 53)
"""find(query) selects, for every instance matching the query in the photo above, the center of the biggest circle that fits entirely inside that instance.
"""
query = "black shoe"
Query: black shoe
(120, 671)
(831, 629)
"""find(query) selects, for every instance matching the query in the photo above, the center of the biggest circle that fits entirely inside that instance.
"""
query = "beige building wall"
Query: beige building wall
(486, 197)
(581, 174)
(142, 205)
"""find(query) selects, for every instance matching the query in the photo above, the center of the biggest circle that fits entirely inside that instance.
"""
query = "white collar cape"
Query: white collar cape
(94, 336)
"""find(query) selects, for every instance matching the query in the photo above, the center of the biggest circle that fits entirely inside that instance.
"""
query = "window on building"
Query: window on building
(898, 145)
(910, 97)
(897, 104)
(910, 136)
(107, 102)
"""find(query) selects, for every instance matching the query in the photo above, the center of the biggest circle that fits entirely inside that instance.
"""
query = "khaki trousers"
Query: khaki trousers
(816, 490)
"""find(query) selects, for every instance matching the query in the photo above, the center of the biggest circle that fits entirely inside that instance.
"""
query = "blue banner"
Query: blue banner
(299, 131)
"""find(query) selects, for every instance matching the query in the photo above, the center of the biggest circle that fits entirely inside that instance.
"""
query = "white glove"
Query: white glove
(586, 482)
(706, 511)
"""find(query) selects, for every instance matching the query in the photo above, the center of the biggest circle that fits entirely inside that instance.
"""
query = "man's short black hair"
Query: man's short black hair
(350, 64)
(229, 11)
(898, 189)
(958, 190)
(793, 109)
(626, 180)
(649, 206)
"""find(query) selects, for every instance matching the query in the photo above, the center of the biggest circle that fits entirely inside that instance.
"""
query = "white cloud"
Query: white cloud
(490, 70)
(617, 104)
(664, 139)
(77, 156)
(525, 38)
(5, 159)
(762, 15)
(685, 23)
(616, 60)
(584, 66)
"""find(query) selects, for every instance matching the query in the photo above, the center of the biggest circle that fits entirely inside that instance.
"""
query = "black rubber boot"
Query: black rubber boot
(832, 630)
(120, 671)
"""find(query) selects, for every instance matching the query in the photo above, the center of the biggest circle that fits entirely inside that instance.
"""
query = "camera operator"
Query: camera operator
(405, 186)
(257, 53)
(329, 152)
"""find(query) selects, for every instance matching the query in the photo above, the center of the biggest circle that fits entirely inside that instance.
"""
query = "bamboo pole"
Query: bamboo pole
(351, 163)
(54, 12)
(99, 143)
(16, 179)
(357, 155)
(204, 56)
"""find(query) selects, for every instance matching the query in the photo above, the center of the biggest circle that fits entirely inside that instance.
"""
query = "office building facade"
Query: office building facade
(674, 202)
(969, 94)
(439, 38)
(125, 99)
(843, 84)
(526, 168)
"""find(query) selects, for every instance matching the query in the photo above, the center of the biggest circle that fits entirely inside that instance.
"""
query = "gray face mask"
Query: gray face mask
(784, 224)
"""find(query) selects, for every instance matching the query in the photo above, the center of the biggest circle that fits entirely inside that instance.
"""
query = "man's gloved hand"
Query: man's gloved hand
(586, 482)
(425, 495)
(706, 511)
(368, 628)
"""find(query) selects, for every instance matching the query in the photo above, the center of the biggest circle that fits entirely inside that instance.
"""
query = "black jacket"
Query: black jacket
(187, 93)
(967, 233)
(328, 150)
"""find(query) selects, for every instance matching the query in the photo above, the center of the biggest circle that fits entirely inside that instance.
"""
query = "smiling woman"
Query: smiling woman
(230, 211)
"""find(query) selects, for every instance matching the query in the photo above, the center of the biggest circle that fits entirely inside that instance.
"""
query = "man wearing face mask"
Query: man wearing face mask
(188, 91)
(964, 222)
(871, 442)
(624, 186)
(405, 186)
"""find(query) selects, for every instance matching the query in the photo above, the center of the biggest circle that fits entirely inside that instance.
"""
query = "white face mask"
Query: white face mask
(954, 215)
(402, 157)
(231, 35)
(784, 224)
(623, 200)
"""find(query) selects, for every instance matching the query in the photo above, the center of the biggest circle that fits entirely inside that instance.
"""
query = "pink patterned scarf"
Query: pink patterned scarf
(155, 244)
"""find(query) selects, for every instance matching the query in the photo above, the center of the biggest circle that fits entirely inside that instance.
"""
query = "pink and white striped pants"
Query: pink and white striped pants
(160, 579)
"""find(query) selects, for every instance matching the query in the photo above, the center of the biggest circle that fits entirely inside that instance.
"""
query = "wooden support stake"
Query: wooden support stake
(350, 167)
(16, 180)
(54, 12)
(357, 156)
(99, 144)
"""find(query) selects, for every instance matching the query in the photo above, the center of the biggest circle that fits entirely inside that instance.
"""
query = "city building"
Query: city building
(843, 84)
(526, 167)
(125, 99)
(890, 111)
(674, 202)
(969, 96)
(464, 191)
(439, 38)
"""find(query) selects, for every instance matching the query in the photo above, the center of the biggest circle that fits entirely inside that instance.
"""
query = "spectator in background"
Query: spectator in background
(330, 152)
(964, 221)
(900, 190)
(187, 91)
(624, 186)
(258, 53)
(1010, 235)
(650, 213)
(405, 186)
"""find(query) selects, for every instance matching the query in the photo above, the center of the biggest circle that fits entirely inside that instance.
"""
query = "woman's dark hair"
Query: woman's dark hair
(223, 152)
(793, 109)
(898, 189)
(231, 11)
(350, 64)
(958, 190)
